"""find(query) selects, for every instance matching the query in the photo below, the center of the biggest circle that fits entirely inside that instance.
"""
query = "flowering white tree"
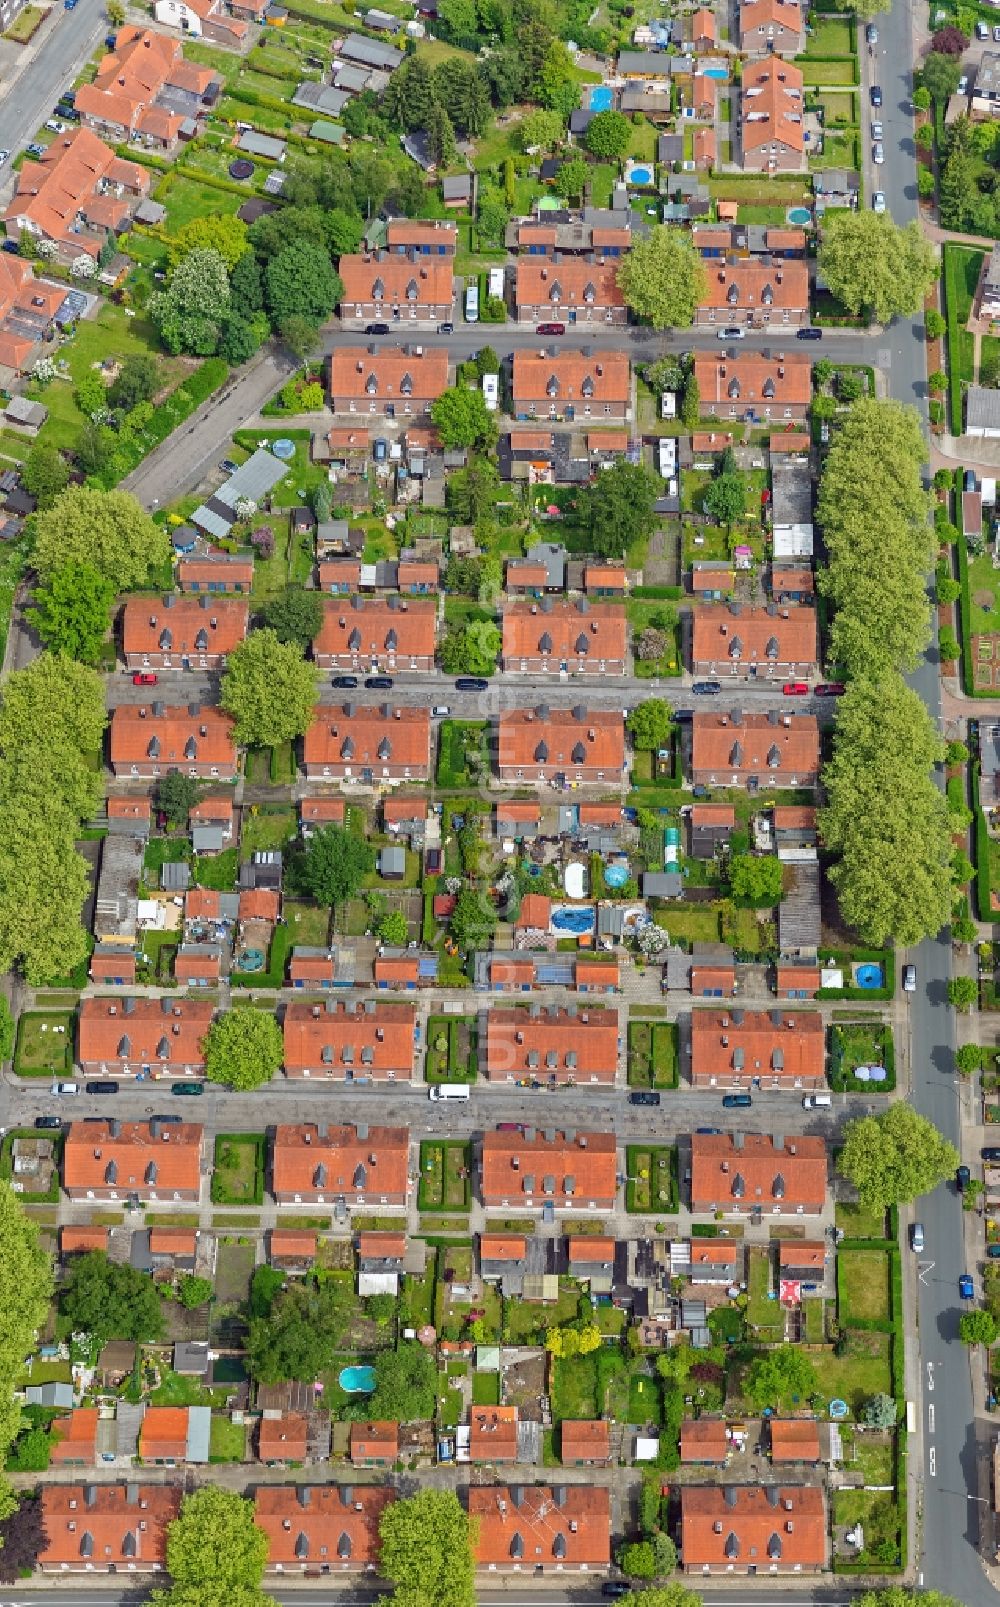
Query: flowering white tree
(83, 267)
(44, 370)
(246, 507)
(651, 938)
(46, 249)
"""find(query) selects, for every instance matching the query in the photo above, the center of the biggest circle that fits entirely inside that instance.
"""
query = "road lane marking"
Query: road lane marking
(932, 1462)
(930, 1375)
(922, 1270)
(930, 1420)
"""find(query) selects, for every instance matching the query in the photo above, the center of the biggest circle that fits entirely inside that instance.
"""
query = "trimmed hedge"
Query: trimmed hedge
(984, 885)
(657, 594)
(220, 1193)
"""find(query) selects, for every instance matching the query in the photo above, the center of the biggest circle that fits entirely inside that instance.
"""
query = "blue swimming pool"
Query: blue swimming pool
(640, 175)
(716, 72)
(357, 1380)
(869, 976)
(798, 215)
(601, 98)
(566, 918)
(615, 875)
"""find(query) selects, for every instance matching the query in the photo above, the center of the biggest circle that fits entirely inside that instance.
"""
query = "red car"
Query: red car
(143, 678)
(551, 329)
(831, 689)
(796, 689)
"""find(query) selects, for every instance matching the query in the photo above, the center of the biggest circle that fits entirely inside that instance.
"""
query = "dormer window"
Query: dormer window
(733, 295)
(587, 388)
(734, 390)
(378, 290)
(371, 385)
(406, 385)
(767, 296)
(552, 386)
(412, 291)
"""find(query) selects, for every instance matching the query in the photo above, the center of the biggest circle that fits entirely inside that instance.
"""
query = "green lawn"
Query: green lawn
(227, 1440)
(264, 827)
(44, 1043)
(651, 1178)
(823, 73)
(814, 1320)
(443, 1187)
(574, 1388)
(689, 923)
(308, 924)
(238, 1174)
(828, 36)
(961, 275)
(861, 1043)
(643, 1400)
(763, 1314)
(416, 1303)
(486, 1389)
(858, 1222)
(525, 1322)
(984, 595)
(862, 1371)
(652, 1054)
(863, 1280)
(186, 199)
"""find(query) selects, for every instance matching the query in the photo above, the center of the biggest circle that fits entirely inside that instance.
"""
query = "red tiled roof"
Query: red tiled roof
(216, 811)
(259, 904)
(762, 13)
(369, 624)
(793, 1051)
(604, 376)
(375, 1439)
(91, 1149)
(362, 375)
(529, 441)
(589, 1160)
(705, 145)
(706, 577)
(598, 814)
(574, 282)
(502, 1247)
(574, 1530)
(505, 971)
(76, 1436)
(408, 232)
(773, 104)
(286, 1244)
(381, 1245)
(75, 1241)
(172, 1241)
(322, 1034)
(298, 1151)
(607, 441)
(136, 809)
(398, 809)
(323, 811)
(202, 904)
(535, 911)
(786, 1523)
(714, 815)
(788, 578)
(321, 1521)
(401, 967)
(66, 180)
(164, 1433)
(107, 1031)
(794, 817)
(711, 440)
(552, 1041)
(304, 967)
(284, 1438)
(717, 632)
(802, 1253)
(781, 382)
(196, 964)
(788, 441)
(206, 736)
(563, 631)
(593, 971)
(703, 24)
(587, 1249)
(206, 571)
(413, 572)
(720, 1164)
(122, 1531)
(339, 737)
(524, 814)
(713, 1253)
(599, 577)
(703, 1439)
(747, 748)
(559, 738)
(110, 964)
(787, 285)
(801, 977)
(703, 95)
(493, 1433)
(395, 280)
(584, 1440)
(794, 1439)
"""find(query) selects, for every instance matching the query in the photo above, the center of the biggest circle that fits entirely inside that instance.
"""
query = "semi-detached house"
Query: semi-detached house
(321, 1528)
(125, 1037)
(546, 744)
(738, 1174)
(753, 1529)
(767, 26)
(104, 1528)
(389, 381)
(766, 1049)
(370, 634)
(320, 1164)
(554, 1047)
(571, 385)
(542, 1529)
(581, 637)
(370, 1041)
(756, 385)
(529, 1170)
(144, 90)
(755, 294)
(113, 1160)
(78, 195)
(755, 750)
(772, 127)
(753, 643)
(368, 743)
(151, 739)
(182, 633)
(408, 289)
(574, 290)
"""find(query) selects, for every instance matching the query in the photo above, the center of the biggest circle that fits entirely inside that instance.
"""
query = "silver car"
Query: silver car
(878, 201)
(878, 153)
(917, 1237)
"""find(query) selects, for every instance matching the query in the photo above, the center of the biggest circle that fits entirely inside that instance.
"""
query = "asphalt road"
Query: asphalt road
(28, 95)
(949, 1558)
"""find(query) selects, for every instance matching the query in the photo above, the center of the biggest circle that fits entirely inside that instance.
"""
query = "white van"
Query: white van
(816, 1102)
(65, 1088)
(449, 1091)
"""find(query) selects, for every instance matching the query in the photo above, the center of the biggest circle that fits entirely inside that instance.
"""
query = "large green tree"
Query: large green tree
(300, 282)
(875, 266)
(893, 1157)
(26, 1278)
(674, 1595)
(663, 278)
(73, 611)
(111, 1300)
(461, 418)
(191, 312)
(404, 1385)
(243, 1048)
(619, 508)
(427, 1543)
(215, 1545)
(53, 705)
(45, 473)
(106, 530)
(649, 724)
(886, 823)
(219, 232)
(470, 649)
(608, 135)
(473, 920)
(873, 509)
(300, 1336)
(755, 879)
(295, 615)
(782, 1377)
(940, 74)
(269, 689)
(334, 866)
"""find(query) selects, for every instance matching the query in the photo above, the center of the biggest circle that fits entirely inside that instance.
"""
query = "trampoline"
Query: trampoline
(241, 168)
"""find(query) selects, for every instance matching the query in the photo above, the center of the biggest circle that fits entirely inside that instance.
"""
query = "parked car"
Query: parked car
(35, 150)
(228, 466)
(878, 153)
(640, 1096)
(796, 689)
(378, 683)
(347, 683)
(917, 1237)
(706, 688)
(732, 333)
(471, 683)
(993, 1252)
(376, 329)
(816, 1101)
(877, 132)
(56, 125)
(143, 678)
(440, 711)
(47, 1124)
(170, 1116)
(550, 329)
(510, 1127)
(736, 1101)
(447, 328)
(996, 34)
(963, 85)
(613, 1588)
(809, 332)
(830, 689)
(708, 1132)
(966, 1287)
(878, 202)
(101, 1088)
(871, 34)
(969, 480)
(65, 1088)
(963, 1177)
(875, 95)
(909, 979)
(3, 157)
(192, 1088)
(991, 1153)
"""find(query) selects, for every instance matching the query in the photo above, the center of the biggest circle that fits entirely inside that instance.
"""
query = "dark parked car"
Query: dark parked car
(102, 1088)
(168, 1116)
(47, 1124)
(991, 1153)
(192, 1088)
(641, 1097)
(876, 95)
(471, 683)
(346, 682)
(446, 328)
(966, 1287)
(378, 683)
(963, 1177)
(969, 480)
(830, 689)
(613, 1588)
(993, 1252)
(376, 329)
(809, 332)
(706, 688)
(708, 1132)
(736, 1101)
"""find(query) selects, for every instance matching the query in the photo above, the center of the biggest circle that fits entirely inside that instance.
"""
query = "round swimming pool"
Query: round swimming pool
(869, 976)
(640, 175)
(251, 960)
(615, 875)
(357, 1380)
(799, 215)
(565, 918)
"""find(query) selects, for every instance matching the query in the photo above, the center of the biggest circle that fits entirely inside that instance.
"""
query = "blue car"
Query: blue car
(966, 1287)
